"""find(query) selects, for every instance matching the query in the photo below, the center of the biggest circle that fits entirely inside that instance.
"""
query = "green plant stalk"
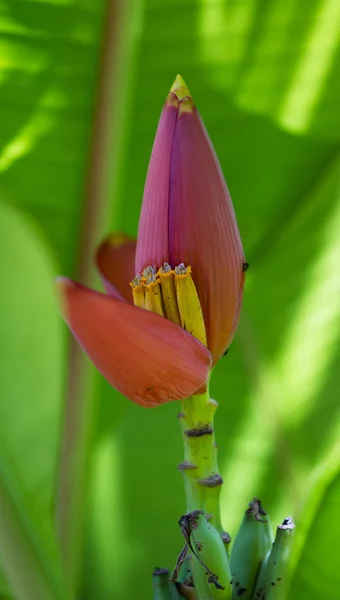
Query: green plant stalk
(202, 480)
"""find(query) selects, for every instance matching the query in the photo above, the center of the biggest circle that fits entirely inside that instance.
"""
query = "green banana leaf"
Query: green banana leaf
(31, 385)
(318, 543)
(265, 77)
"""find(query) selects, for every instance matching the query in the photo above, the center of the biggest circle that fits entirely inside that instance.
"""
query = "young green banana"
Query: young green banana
(162, 588)
(270, 584)
(252, 543)
(181, 577)
(209, 559)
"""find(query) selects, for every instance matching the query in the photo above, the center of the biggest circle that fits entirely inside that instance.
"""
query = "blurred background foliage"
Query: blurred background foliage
(82, 83)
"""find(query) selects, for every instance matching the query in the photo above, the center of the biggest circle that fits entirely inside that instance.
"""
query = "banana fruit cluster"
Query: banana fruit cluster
(255, 569)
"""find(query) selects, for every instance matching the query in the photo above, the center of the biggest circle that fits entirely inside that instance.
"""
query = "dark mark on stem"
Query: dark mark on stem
(199, 432)
(186, 466)
(212, 482)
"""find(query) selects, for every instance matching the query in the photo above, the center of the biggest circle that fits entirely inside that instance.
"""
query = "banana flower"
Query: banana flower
(173, 298)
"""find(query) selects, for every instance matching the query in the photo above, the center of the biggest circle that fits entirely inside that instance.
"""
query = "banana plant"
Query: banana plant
(88, 493)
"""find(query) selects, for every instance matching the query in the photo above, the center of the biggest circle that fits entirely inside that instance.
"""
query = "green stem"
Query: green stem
(202, 479)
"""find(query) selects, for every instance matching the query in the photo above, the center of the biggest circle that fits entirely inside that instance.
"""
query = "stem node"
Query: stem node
(185, 466)
(211, 482)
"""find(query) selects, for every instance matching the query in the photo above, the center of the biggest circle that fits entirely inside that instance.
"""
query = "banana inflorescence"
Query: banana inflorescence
(256, 569)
